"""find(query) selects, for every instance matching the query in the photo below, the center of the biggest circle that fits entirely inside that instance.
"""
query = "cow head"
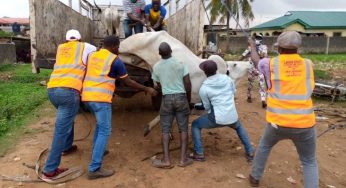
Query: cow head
(237, 69)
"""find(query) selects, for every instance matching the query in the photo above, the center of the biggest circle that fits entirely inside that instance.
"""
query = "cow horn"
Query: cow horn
(100, 10)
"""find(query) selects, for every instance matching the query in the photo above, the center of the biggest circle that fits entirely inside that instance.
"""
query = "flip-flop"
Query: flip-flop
(188, 162)
(158, 164)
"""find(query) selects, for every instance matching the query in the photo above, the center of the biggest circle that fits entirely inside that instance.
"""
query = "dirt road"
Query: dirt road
(224, 153)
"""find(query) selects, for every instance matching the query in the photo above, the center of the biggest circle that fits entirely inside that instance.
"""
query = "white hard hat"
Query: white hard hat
(72, 35)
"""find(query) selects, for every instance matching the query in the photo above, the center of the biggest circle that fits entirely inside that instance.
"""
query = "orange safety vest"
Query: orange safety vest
(69, 69)
(289, 98)
(97, 85)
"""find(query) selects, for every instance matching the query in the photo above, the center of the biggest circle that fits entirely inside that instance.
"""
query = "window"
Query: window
(337, 34)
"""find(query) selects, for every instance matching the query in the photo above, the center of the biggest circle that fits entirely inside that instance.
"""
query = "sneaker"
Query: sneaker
(249, 157)
(52, 175)
(253, 182)
(100, 173)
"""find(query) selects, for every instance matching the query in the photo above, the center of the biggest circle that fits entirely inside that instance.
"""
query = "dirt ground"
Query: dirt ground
(224, 152)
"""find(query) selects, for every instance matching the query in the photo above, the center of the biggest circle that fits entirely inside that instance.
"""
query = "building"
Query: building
(6, 23)
(308, 23)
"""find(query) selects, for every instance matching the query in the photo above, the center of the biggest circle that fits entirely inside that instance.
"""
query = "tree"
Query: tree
(240, 8)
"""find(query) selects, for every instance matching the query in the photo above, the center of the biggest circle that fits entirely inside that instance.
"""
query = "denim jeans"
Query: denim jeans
(129, 24)
(174, 106)
(66, 101)
(103, 129)
(207, 121)
(305, 142)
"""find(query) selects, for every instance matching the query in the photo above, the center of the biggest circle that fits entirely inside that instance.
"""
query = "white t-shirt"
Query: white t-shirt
(88, 49)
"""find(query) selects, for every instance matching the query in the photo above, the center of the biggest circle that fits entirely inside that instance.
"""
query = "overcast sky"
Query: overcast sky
(263, 9)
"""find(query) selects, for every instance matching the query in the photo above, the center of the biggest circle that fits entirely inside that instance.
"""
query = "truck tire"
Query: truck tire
(156, 101)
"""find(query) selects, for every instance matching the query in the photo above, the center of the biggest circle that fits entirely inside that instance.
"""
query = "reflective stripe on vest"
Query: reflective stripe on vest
(291, 111)
(99, 90)
(68, 71)
(278, 95)
(98, 86)
(289, 99)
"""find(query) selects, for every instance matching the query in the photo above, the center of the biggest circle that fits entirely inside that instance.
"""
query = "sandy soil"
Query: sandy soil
(224, 152)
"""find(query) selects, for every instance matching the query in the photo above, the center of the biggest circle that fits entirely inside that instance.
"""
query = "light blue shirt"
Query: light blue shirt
(170, 73)
(218, 91)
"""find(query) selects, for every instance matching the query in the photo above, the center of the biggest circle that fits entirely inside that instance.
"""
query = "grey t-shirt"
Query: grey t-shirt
(134, 8)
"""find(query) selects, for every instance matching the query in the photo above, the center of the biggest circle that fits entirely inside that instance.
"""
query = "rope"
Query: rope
(231, 14)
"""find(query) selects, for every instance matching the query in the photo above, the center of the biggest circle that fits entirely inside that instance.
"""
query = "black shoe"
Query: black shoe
(106, 152)
(100, 173)
(253, 182)
(249, 100)
(264, 104)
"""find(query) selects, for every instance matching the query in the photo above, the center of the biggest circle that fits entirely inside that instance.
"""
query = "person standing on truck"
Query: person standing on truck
(133, 16)
(64, 87)
(173, 77)
(104, 67)
(154, 15)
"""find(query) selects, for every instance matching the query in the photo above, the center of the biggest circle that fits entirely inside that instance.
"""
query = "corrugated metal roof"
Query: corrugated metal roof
(309, 19)
(24, 21)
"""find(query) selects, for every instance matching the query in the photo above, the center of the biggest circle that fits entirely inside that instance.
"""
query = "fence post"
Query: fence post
(327, 47)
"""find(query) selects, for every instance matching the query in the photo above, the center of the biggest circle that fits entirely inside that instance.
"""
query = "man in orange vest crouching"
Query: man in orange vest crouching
(64, 87)
(290, 113)
(104, 67)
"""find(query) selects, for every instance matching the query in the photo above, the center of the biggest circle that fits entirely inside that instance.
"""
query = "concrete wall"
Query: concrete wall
(309, 44)
(7, 53)
(49, 21)
(187, 24)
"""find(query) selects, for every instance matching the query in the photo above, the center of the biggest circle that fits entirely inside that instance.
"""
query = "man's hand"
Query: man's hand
(143, 22)
(151, 91)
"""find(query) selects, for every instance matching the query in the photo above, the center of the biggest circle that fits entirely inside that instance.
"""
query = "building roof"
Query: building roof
(24, 21)
(308, 19)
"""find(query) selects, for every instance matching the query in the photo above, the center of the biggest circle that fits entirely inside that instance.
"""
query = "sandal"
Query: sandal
(187, 162)
(159, 164)
(72, 149)
(197, 157)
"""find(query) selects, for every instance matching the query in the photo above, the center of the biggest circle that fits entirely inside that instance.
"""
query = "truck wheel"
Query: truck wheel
(156, 101)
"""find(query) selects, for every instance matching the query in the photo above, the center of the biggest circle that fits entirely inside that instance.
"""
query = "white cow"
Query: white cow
(110, 19)
(146, 45)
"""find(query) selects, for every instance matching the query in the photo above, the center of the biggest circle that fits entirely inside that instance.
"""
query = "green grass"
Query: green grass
(20, 95)
(5, 34)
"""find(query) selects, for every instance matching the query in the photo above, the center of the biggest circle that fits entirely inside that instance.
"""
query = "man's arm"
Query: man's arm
(254, 55)
(204, 97)
(162, 17)
(134, 18)
(187, 85)
(244, 54)
(131, 83)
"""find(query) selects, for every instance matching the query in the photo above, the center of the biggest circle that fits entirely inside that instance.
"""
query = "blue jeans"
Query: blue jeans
(129, 24)
(66, 101)
(305, 142)
(207, 121)
(103, 114)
